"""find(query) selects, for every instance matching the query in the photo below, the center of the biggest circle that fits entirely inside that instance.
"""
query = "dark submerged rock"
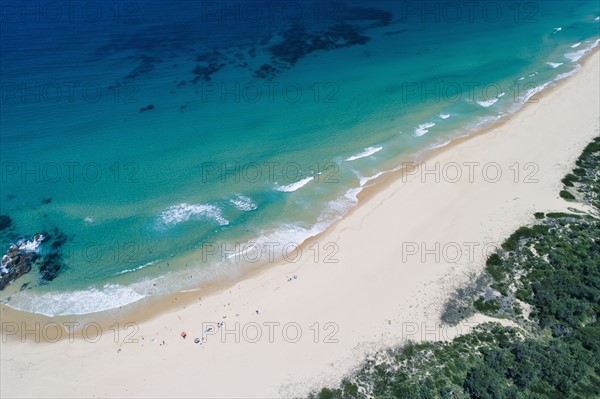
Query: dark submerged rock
(5, 222)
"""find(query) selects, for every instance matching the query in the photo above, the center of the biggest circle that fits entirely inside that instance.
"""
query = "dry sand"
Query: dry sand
(384, 289)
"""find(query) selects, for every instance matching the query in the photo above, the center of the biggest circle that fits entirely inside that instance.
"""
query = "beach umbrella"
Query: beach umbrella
(183, 334)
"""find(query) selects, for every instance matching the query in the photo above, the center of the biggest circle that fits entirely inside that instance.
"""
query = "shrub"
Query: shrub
(567, 195)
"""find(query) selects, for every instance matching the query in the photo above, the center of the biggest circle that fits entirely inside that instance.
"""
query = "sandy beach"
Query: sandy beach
(378, 277)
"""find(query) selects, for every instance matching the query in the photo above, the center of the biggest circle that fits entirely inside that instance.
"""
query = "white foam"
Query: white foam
(365, 180)
(89, 219)
(557, 29)
(597, 19)
(111, 296)
(576, 56)
(138, 268)
(486, 120)
(576, 45)
(491, 101)
(32, 245)
(4, 264)
(445, 143)
(423, 128)
(531, 92)
(572, 56)
(367, 152)
(243, 203)
(522, 77)
(296, 233)
(488, 103)
(570, 73)
(184, 212)
(554, 65)
(294, 186)
(444, 116)
(337, 208)
(285, 235)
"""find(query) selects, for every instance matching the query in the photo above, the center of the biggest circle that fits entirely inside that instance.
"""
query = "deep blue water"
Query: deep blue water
(142, 137)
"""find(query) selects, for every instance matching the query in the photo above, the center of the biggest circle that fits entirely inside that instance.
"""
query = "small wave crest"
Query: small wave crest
(294, 186)
(423, 128)
(567, 74)
(185, 212)
(576, 56)
(367, 152)
(145, 265)
(488, 103)
(243, 203)
(365, 180)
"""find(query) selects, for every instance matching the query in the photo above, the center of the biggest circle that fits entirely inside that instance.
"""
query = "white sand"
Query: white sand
(371, 294)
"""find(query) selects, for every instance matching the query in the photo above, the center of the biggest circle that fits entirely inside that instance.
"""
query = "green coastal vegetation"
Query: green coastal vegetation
(545, 279)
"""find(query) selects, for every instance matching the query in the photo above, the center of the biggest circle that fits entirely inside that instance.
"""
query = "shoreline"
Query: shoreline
(373, 296)
(145, 309)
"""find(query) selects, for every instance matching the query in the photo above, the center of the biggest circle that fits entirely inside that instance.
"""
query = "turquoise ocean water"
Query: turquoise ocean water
(149, 142)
